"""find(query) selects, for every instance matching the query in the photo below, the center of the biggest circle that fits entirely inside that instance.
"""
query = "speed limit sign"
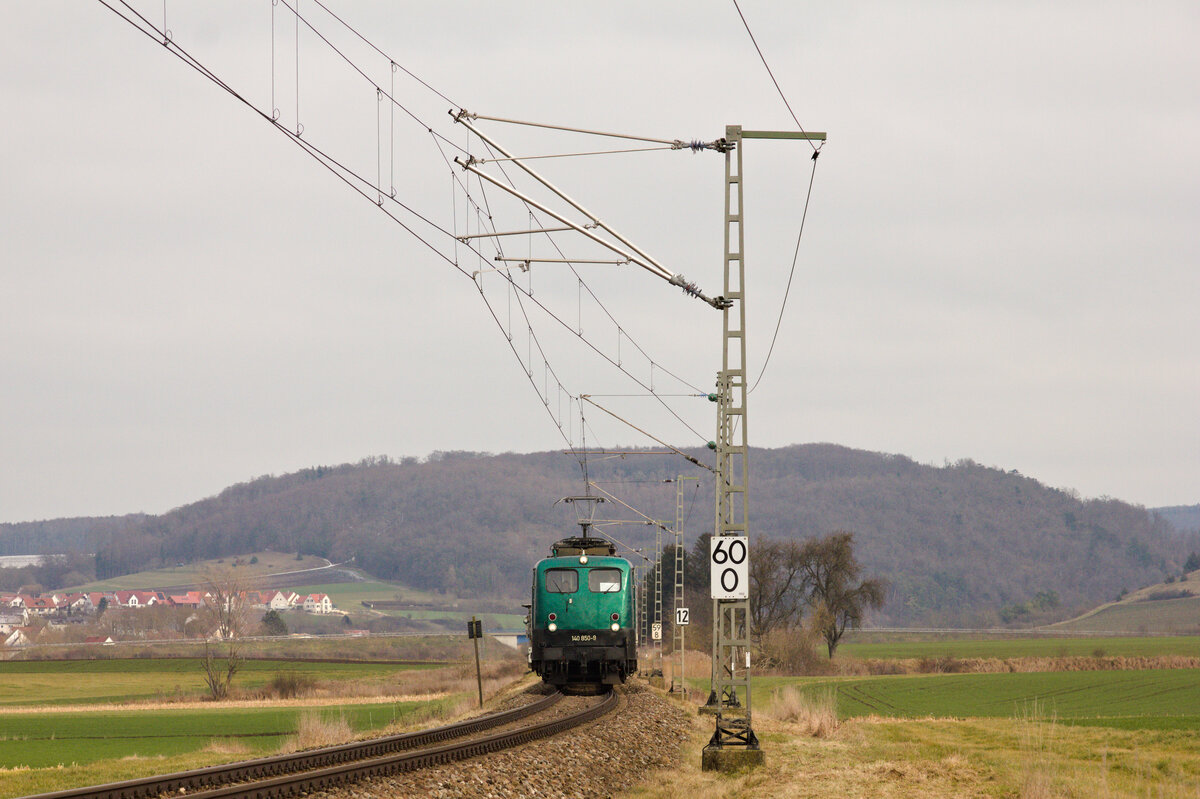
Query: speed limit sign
(729, 567)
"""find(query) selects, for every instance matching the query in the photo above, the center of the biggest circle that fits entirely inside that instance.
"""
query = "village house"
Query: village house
(284, 600)
(191, 599)
(318, 603)
(11, 619)
(40, 605)
(21, 636)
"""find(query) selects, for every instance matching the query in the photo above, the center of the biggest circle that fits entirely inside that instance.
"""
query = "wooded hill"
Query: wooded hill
(960, 544)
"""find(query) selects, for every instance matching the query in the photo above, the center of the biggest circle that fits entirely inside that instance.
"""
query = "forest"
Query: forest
(957, 544)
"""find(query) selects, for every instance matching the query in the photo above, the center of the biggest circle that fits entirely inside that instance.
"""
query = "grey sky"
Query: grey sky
(999, 263)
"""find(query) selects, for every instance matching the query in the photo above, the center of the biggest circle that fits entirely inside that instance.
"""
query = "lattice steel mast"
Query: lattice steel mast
(731, 618)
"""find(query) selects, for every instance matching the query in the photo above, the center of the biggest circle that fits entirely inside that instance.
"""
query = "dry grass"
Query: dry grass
(813, 713)
(1036, 735)
(227, 747)
(318, 729)
(948, 664)
(1027, 757)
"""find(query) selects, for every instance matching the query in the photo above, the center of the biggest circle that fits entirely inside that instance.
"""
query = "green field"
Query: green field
(116, 681)
(50, 751)
(86, 737)
(195, 573)
(1162, 615)
(1157, 699)
(350, 596)
(1147, 646)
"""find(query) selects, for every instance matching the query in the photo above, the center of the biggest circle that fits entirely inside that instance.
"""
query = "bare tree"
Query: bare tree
(777, 587)
(225, 616)
(830, 570)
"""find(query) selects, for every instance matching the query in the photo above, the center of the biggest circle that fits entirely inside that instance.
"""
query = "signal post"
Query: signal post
(733, 744)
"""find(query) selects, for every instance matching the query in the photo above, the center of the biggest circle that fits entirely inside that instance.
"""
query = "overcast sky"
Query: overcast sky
(999, 261)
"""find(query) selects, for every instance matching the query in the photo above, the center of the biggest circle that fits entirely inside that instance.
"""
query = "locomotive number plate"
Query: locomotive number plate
(583, 638)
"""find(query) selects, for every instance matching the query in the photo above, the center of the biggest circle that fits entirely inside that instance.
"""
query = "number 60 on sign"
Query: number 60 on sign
(729, 562)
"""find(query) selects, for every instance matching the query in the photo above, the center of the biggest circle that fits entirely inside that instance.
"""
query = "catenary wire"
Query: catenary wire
(763, 58)
(333, 165)
(791, 273)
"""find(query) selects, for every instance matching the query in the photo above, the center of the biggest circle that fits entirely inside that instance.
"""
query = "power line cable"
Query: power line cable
(344, 173)
(816, 152)
(791, 274)
(763, 58)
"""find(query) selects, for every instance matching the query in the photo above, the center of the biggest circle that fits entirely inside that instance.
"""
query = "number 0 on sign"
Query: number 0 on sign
(729, 561)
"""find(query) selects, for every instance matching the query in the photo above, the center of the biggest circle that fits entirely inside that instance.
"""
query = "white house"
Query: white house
(318, 603)
(12, 619)
(284, 600)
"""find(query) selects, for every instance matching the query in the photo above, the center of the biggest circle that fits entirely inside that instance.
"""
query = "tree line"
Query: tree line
(957, 543)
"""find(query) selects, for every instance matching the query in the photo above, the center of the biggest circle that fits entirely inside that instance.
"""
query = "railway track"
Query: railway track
(317, 769)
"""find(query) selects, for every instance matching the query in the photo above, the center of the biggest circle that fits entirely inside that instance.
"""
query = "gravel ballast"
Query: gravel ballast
(602, 758)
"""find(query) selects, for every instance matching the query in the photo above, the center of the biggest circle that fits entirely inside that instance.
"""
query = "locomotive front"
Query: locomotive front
(581, 619)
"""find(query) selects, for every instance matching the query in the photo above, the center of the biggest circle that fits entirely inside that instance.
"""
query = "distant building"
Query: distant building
(318, 603)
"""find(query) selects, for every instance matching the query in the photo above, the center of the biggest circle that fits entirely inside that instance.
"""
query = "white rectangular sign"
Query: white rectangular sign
(729, 562)
(683, 617)
(656, 631)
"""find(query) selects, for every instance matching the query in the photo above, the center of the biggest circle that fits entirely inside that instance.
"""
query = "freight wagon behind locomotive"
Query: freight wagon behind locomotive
(581, 619)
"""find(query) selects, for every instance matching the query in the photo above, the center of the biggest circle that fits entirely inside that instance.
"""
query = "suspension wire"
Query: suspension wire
(300, 18)
(368, 42)
(299, 127)
(344, 173)
(621, 502)
(592, 294)
(676, 450)
(571, 155)
(274, 108)
(791, 273)
(146, 28)
(566, 325)
(692, 504)
(763, 58)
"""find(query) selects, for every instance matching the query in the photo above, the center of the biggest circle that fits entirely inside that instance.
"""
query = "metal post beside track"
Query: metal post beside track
(733, 743)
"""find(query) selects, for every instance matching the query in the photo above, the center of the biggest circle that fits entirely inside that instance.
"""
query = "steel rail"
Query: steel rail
(292, 768)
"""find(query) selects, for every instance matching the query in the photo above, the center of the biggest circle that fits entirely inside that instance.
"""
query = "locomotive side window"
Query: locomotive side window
(604, 581)
(562, 581)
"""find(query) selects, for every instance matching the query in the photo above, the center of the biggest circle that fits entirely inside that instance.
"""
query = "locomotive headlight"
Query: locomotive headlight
(615, 626)
(583, 558)
(551, 626)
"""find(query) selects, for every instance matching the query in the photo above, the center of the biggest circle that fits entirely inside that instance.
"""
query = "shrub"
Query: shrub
(943, 664)
(289, 684)
(791, 651)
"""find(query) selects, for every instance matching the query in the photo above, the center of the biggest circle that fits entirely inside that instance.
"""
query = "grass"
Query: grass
(1151, 699)
(1025, 754)
(1147, 646)
(40, 740)
(349, 597)
(194, 573)
(116, 681)
(51, 750)
(1166, 615)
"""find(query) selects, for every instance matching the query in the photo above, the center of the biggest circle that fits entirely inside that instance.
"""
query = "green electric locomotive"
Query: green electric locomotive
(581, 619)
